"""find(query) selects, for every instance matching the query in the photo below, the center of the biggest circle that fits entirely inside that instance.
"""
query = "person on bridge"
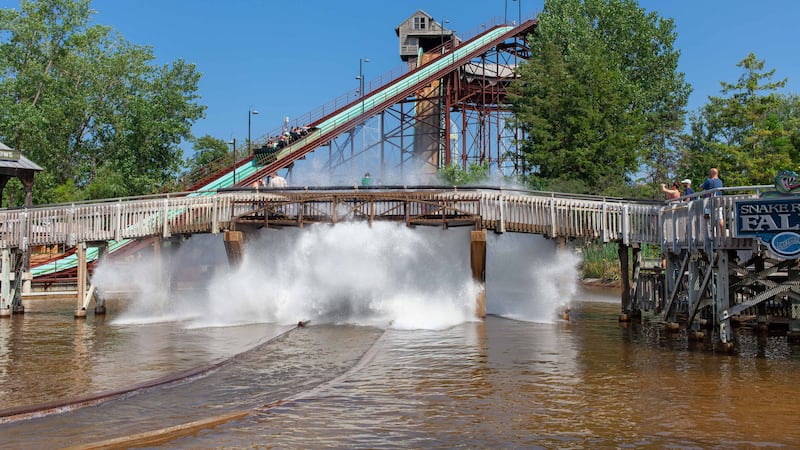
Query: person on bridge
(367, 180)
(276, 181)
(713, 182)
(687, 187)
(672, 192)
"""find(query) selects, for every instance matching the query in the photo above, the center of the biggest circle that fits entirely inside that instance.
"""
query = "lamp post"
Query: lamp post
(250, 114)
(233, 142)
(360, 79)
(360, 76)
(441, 25)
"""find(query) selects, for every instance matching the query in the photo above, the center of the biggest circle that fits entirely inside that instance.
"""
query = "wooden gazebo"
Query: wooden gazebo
(13, 164)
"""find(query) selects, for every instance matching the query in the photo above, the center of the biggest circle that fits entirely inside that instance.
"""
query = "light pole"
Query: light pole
(441, 25)
(250, 114)
(233, 142)
(360, 79)
(360, 76)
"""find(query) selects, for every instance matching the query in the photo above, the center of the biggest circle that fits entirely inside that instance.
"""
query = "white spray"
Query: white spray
(386, 275)
(528, 278)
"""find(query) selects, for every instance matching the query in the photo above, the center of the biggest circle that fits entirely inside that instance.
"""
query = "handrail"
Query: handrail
(503, 209)
(673, 225)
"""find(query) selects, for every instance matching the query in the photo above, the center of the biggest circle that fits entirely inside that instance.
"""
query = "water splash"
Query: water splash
(528, 278)
(387, 275)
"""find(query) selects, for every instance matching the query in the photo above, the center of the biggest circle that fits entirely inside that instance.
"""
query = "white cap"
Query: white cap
(686, 181)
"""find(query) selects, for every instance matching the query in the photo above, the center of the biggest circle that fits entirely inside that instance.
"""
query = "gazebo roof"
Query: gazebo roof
(13, 159)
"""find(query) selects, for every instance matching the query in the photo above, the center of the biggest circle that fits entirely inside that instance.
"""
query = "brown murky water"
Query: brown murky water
(588, 383)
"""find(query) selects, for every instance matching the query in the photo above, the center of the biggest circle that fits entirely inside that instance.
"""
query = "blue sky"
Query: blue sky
(285, 58)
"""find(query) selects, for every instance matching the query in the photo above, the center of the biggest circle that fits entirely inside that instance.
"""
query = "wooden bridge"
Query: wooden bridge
(709, 275)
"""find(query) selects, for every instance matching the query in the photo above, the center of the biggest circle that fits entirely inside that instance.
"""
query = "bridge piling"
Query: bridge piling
(478, 264)
(234, 247)
(99, 303)
(5, 284)
(622, 254)
(722, 300)
(80, 310)
(630, 306)
(793, 313)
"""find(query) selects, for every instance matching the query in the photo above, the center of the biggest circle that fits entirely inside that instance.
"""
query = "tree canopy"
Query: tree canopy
(601, 96)
(95, 111)
(750, 132)
(208, 150)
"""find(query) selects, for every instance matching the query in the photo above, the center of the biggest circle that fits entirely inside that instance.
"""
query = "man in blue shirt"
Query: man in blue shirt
(687, 187)
(713, 182)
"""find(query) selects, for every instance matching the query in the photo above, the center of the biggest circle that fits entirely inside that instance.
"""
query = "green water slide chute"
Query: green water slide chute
(365, 106)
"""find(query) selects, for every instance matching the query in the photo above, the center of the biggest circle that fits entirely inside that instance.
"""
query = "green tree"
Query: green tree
(207, 151)
(600, 95)
(749, 133)
(89, 107)
(454, 175)
(788, 113)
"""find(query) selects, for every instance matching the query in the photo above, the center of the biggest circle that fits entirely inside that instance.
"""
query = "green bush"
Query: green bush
(601, 260)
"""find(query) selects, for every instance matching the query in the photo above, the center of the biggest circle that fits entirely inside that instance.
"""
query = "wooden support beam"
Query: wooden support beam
(234, 247)
(80, 310)
(478, 264)
(99, 303)
(5, 284)
(634, 306)
(622, 253)
(761, 308)
(722, 299)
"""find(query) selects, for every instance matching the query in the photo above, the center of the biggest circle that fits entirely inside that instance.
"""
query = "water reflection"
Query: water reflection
(47, 355)
(587, 383)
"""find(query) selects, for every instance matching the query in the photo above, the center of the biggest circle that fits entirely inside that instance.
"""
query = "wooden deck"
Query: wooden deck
(500, 210)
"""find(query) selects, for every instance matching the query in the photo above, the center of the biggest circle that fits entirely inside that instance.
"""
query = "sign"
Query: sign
(10, 155)
(776, 221)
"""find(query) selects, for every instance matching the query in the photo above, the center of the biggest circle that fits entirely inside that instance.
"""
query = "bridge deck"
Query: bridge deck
(674, 226)
(700, 257)
(550, 214)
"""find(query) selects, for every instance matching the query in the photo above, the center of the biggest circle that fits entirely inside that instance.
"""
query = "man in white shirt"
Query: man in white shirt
(277, 181)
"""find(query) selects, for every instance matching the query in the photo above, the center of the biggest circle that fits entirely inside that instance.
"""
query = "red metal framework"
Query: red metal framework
(461, 117)
(476, 96)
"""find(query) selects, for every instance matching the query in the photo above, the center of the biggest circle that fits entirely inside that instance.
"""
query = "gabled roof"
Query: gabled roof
(419, 11)
(16, 163)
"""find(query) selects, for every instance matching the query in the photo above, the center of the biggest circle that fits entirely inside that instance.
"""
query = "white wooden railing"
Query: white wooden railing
(502, 210)
(692, 222)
